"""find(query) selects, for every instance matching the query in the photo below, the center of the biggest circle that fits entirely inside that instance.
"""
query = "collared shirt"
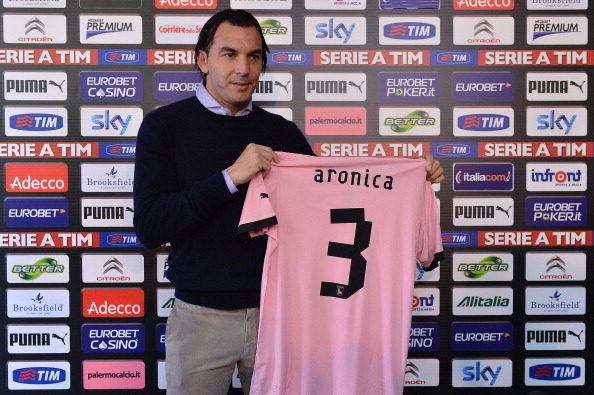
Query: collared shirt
(209, 102)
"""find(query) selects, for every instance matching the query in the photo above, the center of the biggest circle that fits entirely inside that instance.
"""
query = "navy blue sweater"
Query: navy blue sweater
(180, 197)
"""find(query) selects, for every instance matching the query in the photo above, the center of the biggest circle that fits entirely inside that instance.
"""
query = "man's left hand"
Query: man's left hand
(434, 169)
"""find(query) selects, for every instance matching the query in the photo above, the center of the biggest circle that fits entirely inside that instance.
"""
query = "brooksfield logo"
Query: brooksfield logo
(106, 302)
(37, 303)
(107, 177)
(555, 300)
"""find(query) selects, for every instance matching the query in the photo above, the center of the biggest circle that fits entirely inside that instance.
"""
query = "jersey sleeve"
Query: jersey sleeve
(257, 214)
(430, 250)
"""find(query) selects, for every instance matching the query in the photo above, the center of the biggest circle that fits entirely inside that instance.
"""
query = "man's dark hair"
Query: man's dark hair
(239, 18)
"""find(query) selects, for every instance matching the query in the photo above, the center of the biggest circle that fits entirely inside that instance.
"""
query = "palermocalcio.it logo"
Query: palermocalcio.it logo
(39, 177)
(113, 302)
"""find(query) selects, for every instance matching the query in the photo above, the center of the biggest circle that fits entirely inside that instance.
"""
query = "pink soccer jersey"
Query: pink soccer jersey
(337, 289)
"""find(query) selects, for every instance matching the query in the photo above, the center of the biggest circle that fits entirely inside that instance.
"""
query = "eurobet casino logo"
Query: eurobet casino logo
(274, 87)
(35, 3)
(560, 86)
(426, 301)
(292, 58)
(38, 375)
(107, 177)
(170, 29)
(555, 336)
(38, 339)
(277, 30)
(110, 375)
(556, 121)
(454, 58)
(482, 301)
(335, 4)
(335, 86)
(557, 5)
(424, 336)
(409, 87)
(556, 211)
(555, 300)
(110, 29)
(557, 30)
(37, 303)
(35, 85)
(113, 338)
(36, 213)
(484, 4)
(117, 150)
(555, 372)
(483, 177)
(186, 4)
(482, 336)
(111, 86)
(262, 4)
(408, 4)
(160, 337)
(335, 31)
(112, 302)
(555, 266)
(409, 121)
(421, 372)
(486, 373)
(107, 212)
(37, 268)
(34, 28)
(469, 211)
(483, 30)
(494, 266)
(409, 31)
(484, 87)
(122, 57)
(483, 121)
(36, 177)
(544, 177)
(336, 121)
(173, 86)
(110, 121)
(112, 268)
(35, 121)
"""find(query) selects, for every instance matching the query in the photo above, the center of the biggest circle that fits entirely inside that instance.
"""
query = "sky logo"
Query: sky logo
(480, 373)
(330, 30)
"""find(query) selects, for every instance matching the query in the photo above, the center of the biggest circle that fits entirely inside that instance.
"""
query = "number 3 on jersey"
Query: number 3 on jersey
(349, 251)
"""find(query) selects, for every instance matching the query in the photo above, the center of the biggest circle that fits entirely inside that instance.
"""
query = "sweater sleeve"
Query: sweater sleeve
(163, 212)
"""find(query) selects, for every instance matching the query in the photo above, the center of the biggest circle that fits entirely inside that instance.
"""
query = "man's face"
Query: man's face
(233, 65)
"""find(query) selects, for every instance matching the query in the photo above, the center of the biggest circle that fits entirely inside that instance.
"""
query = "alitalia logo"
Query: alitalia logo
(479, 301)
(486, 265)
(169, 304)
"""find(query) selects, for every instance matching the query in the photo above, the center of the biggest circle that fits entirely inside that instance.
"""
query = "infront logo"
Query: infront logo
(38, 177)
(113, 302)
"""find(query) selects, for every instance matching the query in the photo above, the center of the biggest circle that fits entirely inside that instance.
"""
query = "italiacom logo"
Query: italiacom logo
(483, 177)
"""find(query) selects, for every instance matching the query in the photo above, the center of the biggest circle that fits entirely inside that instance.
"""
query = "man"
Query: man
(194, 159)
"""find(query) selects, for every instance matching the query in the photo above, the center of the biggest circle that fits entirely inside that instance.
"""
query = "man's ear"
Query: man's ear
(202, 61)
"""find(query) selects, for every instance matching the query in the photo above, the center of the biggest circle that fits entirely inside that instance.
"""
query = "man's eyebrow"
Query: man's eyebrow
(233, 50)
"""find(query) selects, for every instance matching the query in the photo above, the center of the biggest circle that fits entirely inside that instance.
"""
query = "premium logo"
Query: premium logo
(425, 301)
(482, 336)
(38, 339)
(422, 373)
(110, 121)
(555, 336)
(481, 87)
(556, 121)
(557, 5)
(34, 29)
(111, 86)
(483, 267)
(409, 87)
(107, 212)
(35, 121)
(555, 371)
(27, 268)
(556, 176)
(122, 57)
(112, 302)
(36, 213)
(335, 31)
(34, 85)
(555, 301)
(301, 58)
(482, 301)
(424, 337)
(110, 29)
(187, 4)
(335, 4)
(274, 87)
(262, 4)
(335, 121)
(556, 211)
(36, 177)
(454, 58)
(483, 177)
(107, 177)
(561, 86)
(335, 86)
(408, 4)
(557, 30)
(483, 211)
(482, 373)
(277, 30)
(165, 301)
(409, 31)
(113, 338)
(35, 303)
(173, 86)
(122, 375)
(170, 29)
(112, 268)
(110, 4)
(555, 266)
(482, 30)
(483, 4)
(410, 121)
(482, 122)
(38, 375)
(34, 3)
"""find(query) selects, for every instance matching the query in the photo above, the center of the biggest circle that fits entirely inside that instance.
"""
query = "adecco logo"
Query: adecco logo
(554, 371)
(109, 302)
(38, 375)
(36, 177)
(186, 4)
(483, 4)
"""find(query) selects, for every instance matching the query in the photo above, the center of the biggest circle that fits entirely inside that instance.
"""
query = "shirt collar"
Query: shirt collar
(209, 102)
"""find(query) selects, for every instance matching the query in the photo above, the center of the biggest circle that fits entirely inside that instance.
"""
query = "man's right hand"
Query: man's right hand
(253, 159)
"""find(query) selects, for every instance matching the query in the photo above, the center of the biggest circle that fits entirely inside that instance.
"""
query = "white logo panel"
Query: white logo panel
(546, 177)
(38, 339)
(488, 266)
(482, 301)
(409, 121)
(37, 268)
(110, 121)
(486, 373)
(483, 30)
(274, 87)
(555, 300)
(111, 29)
(34, 28)
(107, 177)
(335, 30)
(555, 336)
(107, 212)
(37, 303)
(555, 266)
(557, 30)
(176, 29)
(483, 211)
(32, 85)
(335, 86)
(556, 121)
(112, 268)
(561, 86)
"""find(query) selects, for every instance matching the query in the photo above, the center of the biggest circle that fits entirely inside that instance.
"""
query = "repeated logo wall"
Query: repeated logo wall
(497, 90)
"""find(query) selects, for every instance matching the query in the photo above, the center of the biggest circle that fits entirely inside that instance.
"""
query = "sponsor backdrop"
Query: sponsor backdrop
(498, 90)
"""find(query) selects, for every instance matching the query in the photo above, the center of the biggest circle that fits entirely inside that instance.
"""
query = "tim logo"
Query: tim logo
(290, 58)
(454, 150)
(459, 239)
(39, 375)
(410, 31)
(119, 240)
(483, 122)
(122, 57)
(36, 122)
(122, 150)
(454, 58)
(555, 372)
